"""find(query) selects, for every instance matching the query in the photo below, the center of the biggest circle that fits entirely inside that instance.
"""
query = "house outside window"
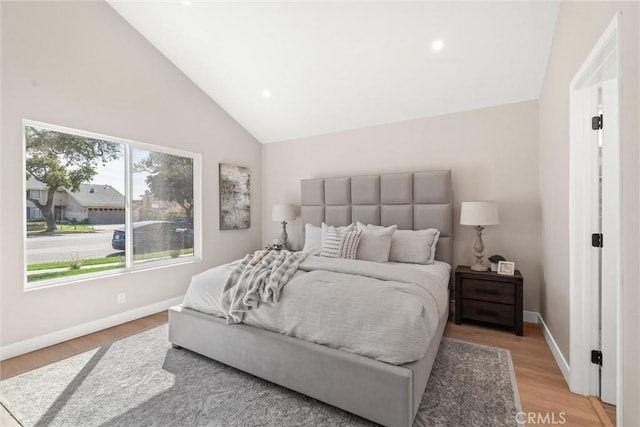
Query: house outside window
(34, 194)
(33, 213)
(82, 229)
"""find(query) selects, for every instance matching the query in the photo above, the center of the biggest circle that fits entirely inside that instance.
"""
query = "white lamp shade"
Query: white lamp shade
(283, 213)
(479, 213)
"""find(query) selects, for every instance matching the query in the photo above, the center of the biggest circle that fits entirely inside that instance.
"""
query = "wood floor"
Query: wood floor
(541, 385)
(543, 391)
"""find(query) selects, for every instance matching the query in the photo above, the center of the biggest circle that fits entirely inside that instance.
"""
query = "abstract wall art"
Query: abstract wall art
(235, 197)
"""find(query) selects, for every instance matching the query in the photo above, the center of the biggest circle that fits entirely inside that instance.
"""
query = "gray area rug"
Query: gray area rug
(142, 381)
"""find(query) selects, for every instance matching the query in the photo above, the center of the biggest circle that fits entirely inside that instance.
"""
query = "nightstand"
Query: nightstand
(489, 297)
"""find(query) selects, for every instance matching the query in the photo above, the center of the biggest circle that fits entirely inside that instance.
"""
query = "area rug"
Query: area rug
(142, 381)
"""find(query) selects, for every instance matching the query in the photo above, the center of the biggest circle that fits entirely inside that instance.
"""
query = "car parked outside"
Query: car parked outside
(154, 236)
(184, 221)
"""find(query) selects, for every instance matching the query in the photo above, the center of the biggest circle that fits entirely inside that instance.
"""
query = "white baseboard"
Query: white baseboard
(555, 350)
(32, 344)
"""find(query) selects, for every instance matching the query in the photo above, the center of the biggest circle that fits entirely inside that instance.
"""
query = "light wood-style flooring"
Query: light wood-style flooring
(540, 383)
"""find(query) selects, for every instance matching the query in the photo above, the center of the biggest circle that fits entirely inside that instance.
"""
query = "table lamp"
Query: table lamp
(282, 214)
(479, 214)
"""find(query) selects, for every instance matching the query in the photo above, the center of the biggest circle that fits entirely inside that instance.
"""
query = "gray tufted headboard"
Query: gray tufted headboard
(413, 201)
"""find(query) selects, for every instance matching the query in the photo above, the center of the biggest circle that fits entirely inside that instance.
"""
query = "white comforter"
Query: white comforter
(388, 312)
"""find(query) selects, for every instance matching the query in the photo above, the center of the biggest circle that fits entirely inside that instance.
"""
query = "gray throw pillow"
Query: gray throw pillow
(375, 244)
(417, 247)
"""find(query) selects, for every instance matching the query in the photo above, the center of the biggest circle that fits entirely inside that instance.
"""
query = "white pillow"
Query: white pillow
(331, 243)
(375, 244)
(362, 226)
(340, 230)
(332, 239)
(349, 244)
(312, 239)
(416, 247)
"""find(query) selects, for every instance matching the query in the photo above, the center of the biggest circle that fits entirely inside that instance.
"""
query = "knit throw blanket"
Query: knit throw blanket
(257, 278)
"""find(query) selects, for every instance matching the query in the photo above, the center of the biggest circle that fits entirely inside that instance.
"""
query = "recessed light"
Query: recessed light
(186, 2)
(437, 45)
(266, 93)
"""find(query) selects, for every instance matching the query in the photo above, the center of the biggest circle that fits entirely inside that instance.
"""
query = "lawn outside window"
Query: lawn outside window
(97, 205)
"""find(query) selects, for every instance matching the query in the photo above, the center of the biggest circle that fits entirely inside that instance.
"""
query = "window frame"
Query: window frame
(130, 266)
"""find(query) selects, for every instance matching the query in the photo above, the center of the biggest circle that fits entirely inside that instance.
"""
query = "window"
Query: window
(33, 213)
(81, 229)
(33, 194)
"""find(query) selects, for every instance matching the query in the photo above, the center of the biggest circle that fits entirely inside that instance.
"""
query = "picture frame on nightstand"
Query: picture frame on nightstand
(506, 268)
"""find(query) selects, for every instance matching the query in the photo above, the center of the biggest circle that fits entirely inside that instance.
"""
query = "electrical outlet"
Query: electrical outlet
(122, 298)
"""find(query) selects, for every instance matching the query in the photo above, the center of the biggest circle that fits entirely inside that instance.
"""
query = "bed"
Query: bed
(385, 393)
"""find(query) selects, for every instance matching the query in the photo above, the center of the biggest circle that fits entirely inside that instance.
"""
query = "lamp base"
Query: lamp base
(478, 247)
(284, 237)
(479, 267)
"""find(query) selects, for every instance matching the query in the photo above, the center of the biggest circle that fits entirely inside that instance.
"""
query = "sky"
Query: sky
(113, 174)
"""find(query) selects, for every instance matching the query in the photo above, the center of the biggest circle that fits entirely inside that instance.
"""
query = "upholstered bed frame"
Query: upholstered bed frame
(412, 201)
(384, 393)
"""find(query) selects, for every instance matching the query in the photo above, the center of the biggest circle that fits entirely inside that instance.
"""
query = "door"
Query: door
(610, 225)
(595, 207)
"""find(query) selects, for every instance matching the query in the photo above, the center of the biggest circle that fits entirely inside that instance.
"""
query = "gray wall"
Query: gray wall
(80, 65)
(492, 153)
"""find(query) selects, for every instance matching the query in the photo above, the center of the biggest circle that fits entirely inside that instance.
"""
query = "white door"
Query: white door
(610, 261)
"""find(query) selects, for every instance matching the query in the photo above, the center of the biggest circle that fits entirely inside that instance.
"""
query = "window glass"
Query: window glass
(163, 194)
(75, 198)
(66, 174)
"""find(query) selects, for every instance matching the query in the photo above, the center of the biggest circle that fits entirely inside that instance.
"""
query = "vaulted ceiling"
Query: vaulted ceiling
(288, 69)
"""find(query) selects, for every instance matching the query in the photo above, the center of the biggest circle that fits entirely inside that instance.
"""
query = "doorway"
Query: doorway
(595, 212)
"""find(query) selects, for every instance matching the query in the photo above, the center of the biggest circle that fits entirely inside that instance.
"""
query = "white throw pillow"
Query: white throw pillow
(331, 245)
(416, 247)
(362, 226)
(312, 239)
(375, 244)
(332, 240)
(340, 230)
(349, 244)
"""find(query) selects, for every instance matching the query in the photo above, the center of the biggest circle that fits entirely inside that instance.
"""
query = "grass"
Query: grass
(63, 228)
(63, 264)
(66, 273)
(105, 260)
(89, 262)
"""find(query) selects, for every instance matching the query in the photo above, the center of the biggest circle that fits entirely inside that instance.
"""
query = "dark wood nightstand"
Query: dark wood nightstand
(489, 297)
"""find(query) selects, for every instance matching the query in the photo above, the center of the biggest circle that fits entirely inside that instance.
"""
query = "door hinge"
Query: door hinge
(596, 357)
(596, 122)
(596, 240)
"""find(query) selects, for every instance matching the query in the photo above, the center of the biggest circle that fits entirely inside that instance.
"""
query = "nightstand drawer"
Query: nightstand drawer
(488, 291)
(501, 314)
